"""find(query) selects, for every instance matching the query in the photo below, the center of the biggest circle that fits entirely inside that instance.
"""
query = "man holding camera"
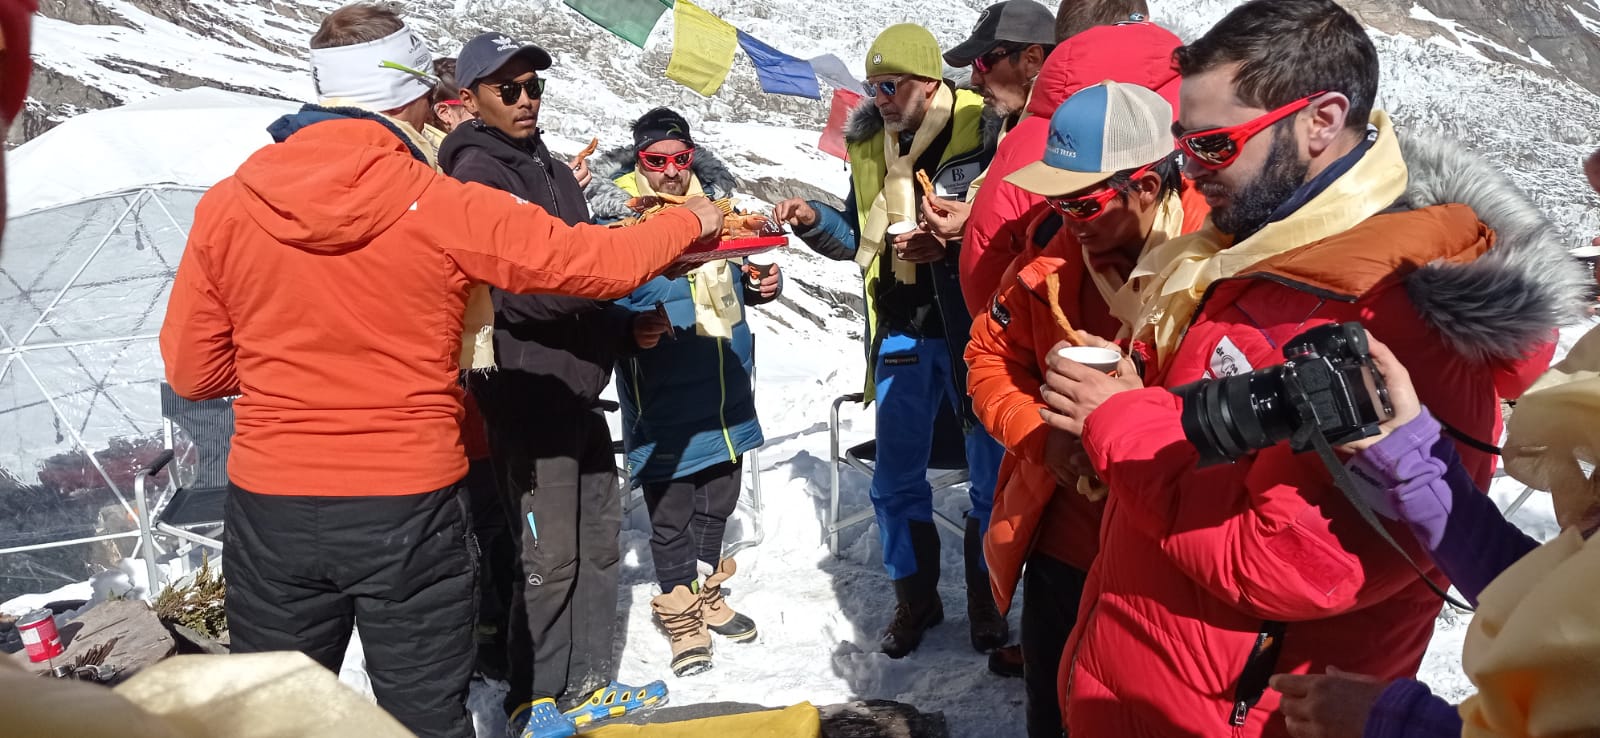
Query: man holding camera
(1213, 579)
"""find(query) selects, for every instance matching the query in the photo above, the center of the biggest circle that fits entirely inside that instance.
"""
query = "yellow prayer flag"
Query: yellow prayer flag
(702, 48)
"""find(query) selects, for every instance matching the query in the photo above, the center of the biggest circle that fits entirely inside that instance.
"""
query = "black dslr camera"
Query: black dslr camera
(1328, 386)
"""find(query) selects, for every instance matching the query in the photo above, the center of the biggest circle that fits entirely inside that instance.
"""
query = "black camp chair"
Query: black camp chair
(190, 512)
(948, 458)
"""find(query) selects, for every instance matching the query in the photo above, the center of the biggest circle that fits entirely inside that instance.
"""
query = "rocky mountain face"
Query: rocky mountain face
(1550, 36)
(1514, 79)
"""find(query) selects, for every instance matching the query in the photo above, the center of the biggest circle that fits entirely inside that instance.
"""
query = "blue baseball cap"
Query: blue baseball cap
(1099, 131)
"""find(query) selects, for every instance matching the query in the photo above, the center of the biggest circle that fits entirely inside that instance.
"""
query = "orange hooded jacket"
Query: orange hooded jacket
(325, 284)
(1006, 360)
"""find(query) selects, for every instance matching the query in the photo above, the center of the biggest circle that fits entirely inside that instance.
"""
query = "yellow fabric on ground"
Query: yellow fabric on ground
(796, 721)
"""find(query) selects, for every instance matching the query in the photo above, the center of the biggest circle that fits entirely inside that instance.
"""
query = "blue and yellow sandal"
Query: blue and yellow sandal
(615, 700)
(540, 719)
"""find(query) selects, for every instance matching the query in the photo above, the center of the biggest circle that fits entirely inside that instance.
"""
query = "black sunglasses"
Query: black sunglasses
(511, 92)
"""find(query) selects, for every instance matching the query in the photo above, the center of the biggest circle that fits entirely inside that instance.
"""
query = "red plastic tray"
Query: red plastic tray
(733, 248)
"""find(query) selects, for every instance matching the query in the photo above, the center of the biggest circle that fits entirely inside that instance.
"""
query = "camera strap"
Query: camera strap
(1347, 485)
(1469, 441)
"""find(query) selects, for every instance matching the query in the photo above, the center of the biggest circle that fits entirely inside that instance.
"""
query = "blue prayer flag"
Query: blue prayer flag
(779, 73)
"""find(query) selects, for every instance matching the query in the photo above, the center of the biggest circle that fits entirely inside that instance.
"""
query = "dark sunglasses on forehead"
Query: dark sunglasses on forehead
(985, 63)
(511, 92)
(1216, 148)
(1093, 205)
(658, 162)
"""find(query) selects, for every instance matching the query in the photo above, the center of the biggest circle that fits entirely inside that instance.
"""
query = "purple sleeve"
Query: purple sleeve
(1407, 709)
(1426, 486)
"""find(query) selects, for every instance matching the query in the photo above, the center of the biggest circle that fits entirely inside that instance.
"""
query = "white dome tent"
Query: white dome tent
(100, 211)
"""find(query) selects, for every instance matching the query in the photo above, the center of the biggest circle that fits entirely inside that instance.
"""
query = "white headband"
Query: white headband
(371, 73)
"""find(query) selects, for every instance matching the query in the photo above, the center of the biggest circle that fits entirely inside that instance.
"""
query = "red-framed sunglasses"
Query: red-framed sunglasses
(1093, 205)
(658, 162)
(984, 64)
(1216, 148)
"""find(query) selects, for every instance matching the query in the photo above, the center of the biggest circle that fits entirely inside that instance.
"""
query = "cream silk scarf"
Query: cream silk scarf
(897, 201)
(1174, 276)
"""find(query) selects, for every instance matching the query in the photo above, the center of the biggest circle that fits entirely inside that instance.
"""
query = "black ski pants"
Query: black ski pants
(688, 517)
(559, 480)
(1051, 589)
(302, 570)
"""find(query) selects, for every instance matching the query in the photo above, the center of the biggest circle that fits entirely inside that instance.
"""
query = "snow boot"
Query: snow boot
(615, 700)
(1006, 661)
(678, 612)
(540, 719)
(714, 609)
(917, 604)
(988, 628)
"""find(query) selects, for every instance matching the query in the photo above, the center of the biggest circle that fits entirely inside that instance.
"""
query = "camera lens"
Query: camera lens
(1230, 417)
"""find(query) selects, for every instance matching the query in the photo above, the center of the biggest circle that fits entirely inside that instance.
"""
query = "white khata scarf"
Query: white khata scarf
(897, 201)
(712, 284)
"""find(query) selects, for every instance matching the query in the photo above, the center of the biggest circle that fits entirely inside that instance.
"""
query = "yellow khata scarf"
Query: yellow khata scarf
(897, 200)
(477, 330)
(712, 284)
(1533, 649)
(1173, 277)
(1123, 297)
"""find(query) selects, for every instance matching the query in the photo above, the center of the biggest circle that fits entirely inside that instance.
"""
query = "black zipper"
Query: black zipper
(1258, 669)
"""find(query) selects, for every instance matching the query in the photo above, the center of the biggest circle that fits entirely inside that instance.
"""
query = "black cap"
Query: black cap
(660, 124)
(1013, 21)
(486, 53)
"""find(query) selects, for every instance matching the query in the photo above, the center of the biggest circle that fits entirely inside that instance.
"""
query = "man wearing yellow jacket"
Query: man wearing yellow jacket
(915, 122)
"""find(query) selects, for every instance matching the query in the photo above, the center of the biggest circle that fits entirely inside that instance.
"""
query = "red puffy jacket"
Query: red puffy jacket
(1200, 568)
(1130, 53)
(1006, 360)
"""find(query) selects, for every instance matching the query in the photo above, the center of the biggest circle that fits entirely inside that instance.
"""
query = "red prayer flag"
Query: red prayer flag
(832, 141)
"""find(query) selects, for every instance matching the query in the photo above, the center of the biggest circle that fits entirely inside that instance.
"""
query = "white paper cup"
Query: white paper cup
(901, 228)
(1094, 357)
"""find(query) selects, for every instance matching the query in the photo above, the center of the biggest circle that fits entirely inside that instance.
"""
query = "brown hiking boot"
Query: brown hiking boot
(714, 609)
(917, 608)
(678, 612)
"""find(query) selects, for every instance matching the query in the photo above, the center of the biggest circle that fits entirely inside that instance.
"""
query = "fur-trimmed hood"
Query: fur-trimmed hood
(1507, 302)
(609, 202)
(865, 122)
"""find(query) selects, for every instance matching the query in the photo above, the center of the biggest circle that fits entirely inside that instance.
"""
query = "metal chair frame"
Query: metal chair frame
(852, 458)
(749, 495)
(152, 519)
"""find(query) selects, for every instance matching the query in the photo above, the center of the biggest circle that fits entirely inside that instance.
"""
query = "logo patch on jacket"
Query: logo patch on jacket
(1227, 360)
(954, 182)
(900, 359)
(998, 313)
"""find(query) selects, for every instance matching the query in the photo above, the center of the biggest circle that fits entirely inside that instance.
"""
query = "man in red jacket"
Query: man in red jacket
(1116, 49)
(1110, 200)
(325, 284)
(1211, 580)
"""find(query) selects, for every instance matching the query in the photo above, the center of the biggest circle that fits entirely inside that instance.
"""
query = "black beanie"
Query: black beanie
(660, 124)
